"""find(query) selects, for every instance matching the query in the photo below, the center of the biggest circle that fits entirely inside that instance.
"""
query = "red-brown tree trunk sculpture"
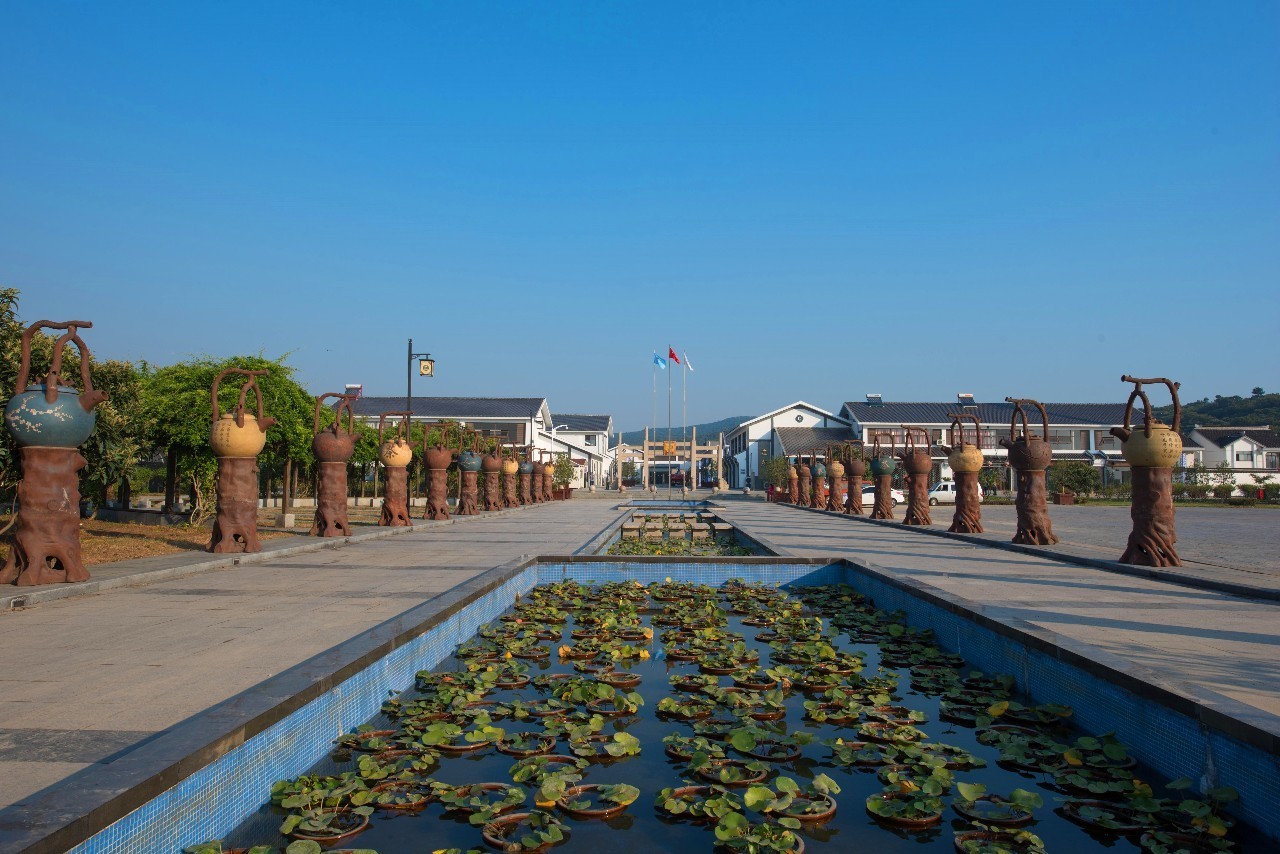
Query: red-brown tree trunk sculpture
(1034, 526)
(1153, 535)
(509, 498)
(548, 484)
(46, 540)
(968, 515)
(853, 502)
(806, 489)
(470, 494)
(235, 529)
(793, 489)
(331, 502)
(526, 488)
(834, 502)
(437, 495)
(818, 498)
(493, 490)
(883, 507)
(395, 501)
(917, 500)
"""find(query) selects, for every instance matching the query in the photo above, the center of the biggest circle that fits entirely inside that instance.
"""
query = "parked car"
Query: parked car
(869, 496)
(945, 493)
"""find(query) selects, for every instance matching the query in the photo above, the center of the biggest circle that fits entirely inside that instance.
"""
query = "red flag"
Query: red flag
(671, 354)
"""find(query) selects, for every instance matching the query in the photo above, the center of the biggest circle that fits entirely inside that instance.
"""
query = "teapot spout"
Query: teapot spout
(90, 399)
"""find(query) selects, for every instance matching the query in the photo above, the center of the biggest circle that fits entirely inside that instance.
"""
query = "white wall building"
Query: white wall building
(791, 430)
(1248, 451)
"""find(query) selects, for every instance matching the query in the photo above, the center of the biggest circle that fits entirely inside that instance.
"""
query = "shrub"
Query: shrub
(1224, 490)
(1242, 502)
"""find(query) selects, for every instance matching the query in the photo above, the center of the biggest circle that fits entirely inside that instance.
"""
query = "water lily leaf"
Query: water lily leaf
(1115, 751)
(757, 796)
(998, 709)
(790, 823)
(743, 740)
(304, 846)
(971, 791)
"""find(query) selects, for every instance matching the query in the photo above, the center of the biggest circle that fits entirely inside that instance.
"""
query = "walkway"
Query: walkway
(89, 677)
(1187, 638)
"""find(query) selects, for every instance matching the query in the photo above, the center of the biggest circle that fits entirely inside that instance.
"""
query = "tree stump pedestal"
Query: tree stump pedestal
(468, 503)
(331, 502)
(493, 490)
(1151, 541)
(1034, 526)
(817, 499)
(235, 527)
(883, 505)
(395, 501)
(46, 539)
(853, 503)
(437, 495)
(526, 494)
(968, 515)
(918, 500)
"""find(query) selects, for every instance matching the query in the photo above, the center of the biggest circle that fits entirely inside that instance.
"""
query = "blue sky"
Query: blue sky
(814, 200)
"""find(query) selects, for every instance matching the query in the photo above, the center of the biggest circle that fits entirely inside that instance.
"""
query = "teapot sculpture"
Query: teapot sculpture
(1151, 451)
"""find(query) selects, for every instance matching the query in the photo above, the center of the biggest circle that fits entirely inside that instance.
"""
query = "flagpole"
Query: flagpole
(668, 428)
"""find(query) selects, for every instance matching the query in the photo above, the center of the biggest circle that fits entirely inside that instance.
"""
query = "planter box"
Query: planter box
(1064, 498)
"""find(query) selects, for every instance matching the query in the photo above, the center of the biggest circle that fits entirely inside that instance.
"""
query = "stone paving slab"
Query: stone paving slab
(1224, 643)
(88, 677)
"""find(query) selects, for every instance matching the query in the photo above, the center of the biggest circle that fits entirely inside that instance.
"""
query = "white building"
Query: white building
(521, 421)
(1248, 451)
(800, 428)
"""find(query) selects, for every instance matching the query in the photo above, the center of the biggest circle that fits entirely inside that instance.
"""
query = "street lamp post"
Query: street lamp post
(426, 368)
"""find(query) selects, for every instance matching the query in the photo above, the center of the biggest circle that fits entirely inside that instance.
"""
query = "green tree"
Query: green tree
(178, 399)
(1074, 476)
(629, 470)
(563, 472)
(776, 471)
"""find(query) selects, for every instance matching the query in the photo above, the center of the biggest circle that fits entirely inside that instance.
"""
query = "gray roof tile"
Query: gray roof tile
(582, 423)
(459, 408)
(893, 412)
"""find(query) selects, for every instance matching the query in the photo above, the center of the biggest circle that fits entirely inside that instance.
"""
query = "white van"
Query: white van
(945, 493)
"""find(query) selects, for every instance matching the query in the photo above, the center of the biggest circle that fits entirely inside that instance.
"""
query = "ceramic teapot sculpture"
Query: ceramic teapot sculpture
(916, 459)
(470, 460)
(333, 444)
(817, 468)
(964, 456)
(1028, 452)
(50, 414)
(855, 462)
(1156, 445)
(882, 463)
(239, 434)
(395, 451)
(836, 469)
(437, 456)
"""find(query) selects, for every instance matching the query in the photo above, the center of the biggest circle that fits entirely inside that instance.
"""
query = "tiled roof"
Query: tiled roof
(1223, 436)
(892, 412)
(460, 408)
(808, 440)
(582, 423)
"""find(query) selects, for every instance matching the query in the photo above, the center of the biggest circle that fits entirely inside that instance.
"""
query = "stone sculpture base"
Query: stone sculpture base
(968, 515)
(46, 539)
(395, 501)
(883, 506)
(1151, 541)
(509, 491)
(331, 502)
(493, 490)
(918, 500)
(853, 504)
(806, 491)
(437, 495)
(235, 528)
(1034, 527)
(818, 499)
(468, 504)
(526, 493)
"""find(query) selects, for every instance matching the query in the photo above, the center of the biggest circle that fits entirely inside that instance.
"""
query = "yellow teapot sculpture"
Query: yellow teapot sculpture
(1156, 445)
(395, 451)
(962, 456)
(238, 433)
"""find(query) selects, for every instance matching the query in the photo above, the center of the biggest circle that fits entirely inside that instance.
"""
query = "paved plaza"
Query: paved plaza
(103, 673)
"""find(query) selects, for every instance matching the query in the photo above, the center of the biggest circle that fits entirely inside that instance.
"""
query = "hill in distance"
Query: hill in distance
(1233, 411)
(705, 431)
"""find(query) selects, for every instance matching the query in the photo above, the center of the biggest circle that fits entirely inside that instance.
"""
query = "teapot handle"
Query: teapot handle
(1147, 414)
(344, 405)
(264, 423)
(89, 398)
(1018, 411)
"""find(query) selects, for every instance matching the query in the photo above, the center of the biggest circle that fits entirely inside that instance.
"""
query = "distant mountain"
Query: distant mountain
(705, 431)
(1233, 411)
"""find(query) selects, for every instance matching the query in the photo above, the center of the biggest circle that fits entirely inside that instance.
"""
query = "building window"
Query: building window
(1244, 456)
(1273, 461)
(590, 439)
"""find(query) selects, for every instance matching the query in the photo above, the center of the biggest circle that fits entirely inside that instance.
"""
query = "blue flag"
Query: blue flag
(659, 361)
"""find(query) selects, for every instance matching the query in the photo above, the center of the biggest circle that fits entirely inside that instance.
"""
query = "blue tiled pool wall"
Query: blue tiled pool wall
(1173, 743)
(216, 799)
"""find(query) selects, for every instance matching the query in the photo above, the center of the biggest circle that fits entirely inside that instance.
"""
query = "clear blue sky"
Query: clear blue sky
(544, 193)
